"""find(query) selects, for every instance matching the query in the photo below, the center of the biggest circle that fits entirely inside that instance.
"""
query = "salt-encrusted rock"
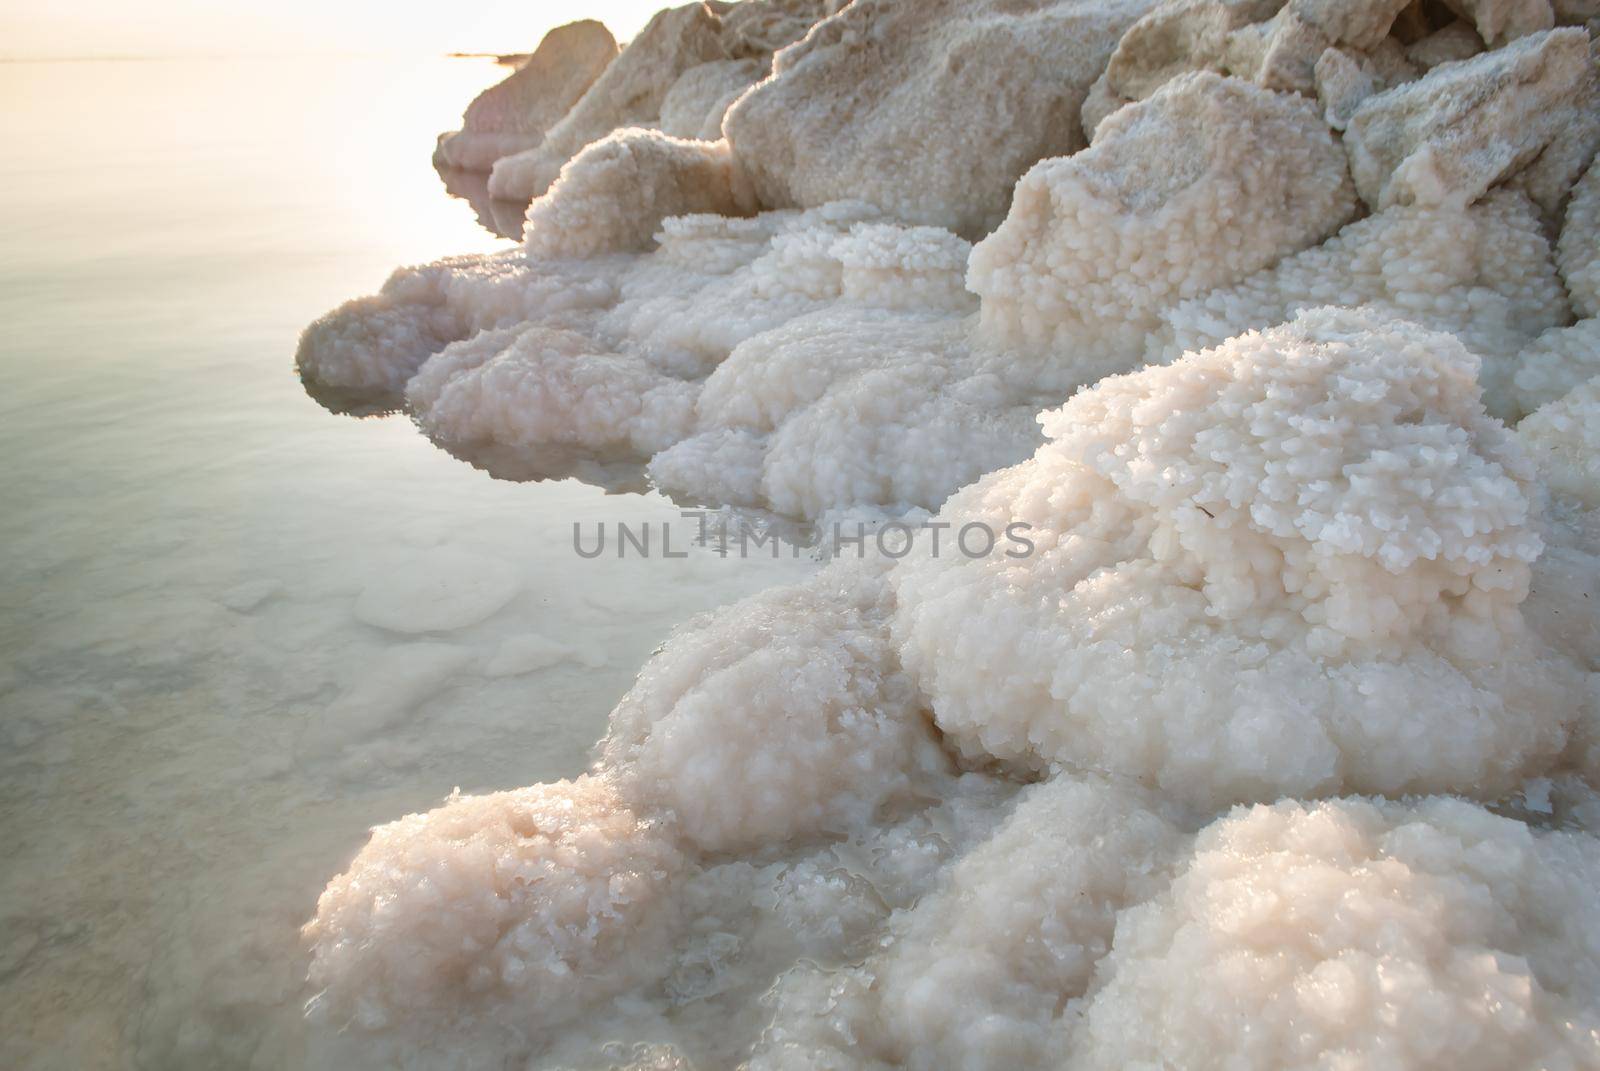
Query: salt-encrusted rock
(1555, 363)
(1500, 21)
(1246, 566)
(928, 109)
(758, 28)
(1361, 24)
(1345, 78)
(1575, 12)
(613, 196)
(1264, 41)
(513, 116)
(1450, 44)
(1463, 127)
(1205, 182)
(1563, 438)
(543, 896)
(694, 106)
(1326, 935)
(840, 731)
(1484, 274)
(1578, 251)
(628, 93)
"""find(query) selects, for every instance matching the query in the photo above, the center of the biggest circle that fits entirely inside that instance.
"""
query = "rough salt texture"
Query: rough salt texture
(1246, 563)
(840, 734)
(1205, 182)
(1273, 44)
(866, 105)
(1554, 363)
(628, 93)
(1359, 934)
(513, 116)
(613, 195)
(1563, 438)
(1578, 251)
(1463, 127)
(1484, 274)
(694, 106)
(531, 895)
(1502, 21)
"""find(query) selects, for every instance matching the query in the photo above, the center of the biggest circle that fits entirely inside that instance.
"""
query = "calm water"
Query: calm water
(236, 630)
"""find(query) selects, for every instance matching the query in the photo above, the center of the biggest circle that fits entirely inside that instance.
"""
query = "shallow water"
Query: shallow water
(237, 630)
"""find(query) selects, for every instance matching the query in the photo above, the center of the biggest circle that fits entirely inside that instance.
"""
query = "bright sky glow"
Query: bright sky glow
(30, 29)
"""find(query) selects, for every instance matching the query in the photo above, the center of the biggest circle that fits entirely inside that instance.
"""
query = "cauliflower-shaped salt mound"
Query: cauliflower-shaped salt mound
(1557, 361)
(1288, 565)
(542, 386)
(1563, 438)
(1208, 180)
(1578, 250)
(1359, 933)
(614, 194)
(929, 109)
(981, 974)
(373, 345)
(545, 898)
(1463, 127)
(784, 716)
(628, 93)
(849, 407)
(512, 116)
(1484, 274)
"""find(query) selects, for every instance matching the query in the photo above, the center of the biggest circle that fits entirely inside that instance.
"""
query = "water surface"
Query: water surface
(237, 630)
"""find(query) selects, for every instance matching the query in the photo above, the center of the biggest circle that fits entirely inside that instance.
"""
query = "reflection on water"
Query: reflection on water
(236, 631)
(502, 218)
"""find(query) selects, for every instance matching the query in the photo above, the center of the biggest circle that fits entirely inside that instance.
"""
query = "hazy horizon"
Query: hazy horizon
(78, 30)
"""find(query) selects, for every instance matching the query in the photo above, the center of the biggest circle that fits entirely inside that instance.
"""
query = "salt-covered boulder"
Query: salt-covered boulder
(1564, 439)
(1288, 565)
(1578, 250)
(513, 116)
(1205, 182)
(929, 109)
(1485, 275)
(1463, 127)
(694, 106)
(1448, 44)
(545, 898)
(1358, 933)
(1501, 21)
(786, 716)
(758, 28)
(1273, 44)
(613, 195)
(1344, 78)
(1554, 363)
(628, 93)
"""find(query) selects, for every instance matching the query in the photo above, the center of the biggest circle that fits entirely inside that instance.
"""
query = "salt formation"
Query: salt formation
(1277, 746)
(1448, 137)
(1207, 206)
(1291, 566)
(512, 117)
(1484, 275)
(1325, 529)
(865, 106)
(1207, 181)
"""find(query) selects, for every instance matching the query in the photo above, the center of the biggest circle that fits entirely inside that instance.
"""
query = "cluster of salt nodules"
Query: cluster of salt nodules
(1256, 743)
(1274, 748)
